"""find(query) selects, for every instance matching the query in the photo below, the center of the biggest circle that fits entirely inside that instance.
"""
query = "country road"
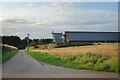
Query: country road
(23, 65)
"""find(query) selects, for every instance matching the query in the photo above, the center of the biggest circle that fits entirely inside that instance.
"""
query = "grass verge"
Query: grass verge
(7, 53)
(87, 61)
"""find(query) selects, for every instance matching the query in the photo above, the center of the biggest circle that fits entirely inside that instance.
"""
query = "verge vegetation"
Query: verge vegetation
(87, 61)
(7, 53)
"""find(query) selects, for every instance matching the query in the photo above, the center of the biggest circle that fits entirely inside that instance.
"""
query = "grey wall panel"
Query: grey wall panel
(57, 37)
(92, 36)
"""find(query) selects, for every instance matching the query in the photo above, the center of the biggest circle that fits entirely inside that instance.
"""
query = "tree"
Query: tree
(11, 40)
(15, 41)
(45, 41)
(33, 43)
(24, 42)
(37, 41)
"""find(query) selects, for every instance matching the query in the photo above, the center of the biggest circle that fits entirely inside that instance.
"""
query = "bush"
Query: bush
(68, 44)
(89, 65)
(33, 43)
(99, 43)
(113, 63)
(36, 46)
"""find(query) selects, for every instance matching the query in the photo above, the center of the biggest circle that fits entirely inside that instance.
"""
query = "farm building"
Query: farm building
(78, 36)
(57, 37)
(73, 36)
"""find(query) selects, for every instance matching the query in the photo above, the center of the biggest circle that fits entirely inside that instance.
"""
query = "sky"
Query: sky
(39, 19)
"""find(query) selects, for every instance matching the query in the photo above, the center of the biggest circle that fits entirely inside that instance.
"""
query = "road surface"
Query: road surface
(23, 65)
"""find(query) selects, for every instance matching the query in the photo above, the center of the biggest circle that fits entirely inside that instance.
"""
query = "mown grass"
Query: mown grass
(7, 53)
(87, 61)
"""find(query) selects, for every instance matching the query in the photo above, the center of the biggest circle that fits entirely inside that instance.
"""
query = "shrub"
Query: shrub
(68, 44)
(33, 43)
(36, 46)
(113, 63)
(98, 66)
(99, 43)
(89, 65)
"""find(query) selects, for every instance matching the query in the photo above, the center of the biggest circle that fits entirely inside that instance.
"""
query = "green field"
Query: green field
(87, 61)
(7, 53)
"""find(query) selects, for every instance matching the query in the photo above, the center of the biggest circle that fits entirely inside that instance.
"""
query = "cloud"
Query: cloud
(58, 17)
(17, 33)
(15, 21)
(29, 5)
(64, 16)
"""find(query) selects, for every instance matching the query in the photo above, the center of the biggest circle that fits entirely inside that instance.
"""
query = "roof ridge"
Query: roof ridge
(87, 32)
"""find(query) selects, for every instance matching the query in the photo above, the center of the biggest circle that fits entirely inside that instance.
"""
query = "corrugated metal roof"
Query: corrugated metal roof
(91, 36)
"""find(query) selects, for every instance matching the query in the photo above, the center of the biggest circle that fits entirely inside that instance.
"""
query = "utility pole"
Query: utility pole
(28, 41)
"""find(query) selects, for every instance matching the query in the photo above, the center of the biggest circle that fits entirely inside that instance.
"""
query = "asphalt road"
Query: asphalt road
(23, 65)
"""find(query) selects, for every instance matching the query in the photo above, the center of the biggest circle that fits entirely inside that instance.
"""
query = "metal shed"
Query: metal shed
(71, 36)
(57, 37)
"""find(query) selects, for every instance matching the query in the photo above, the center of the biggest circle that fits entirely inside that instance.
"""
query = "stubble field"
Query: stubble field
(107, 49)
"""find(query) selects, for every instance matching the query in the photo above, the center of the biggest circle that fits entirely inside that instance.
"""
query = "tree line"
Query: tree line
(22, 43)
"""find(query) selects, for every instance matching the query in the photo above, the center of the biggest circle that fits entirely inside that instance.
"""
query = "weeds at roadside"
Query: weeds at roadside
(85, 61)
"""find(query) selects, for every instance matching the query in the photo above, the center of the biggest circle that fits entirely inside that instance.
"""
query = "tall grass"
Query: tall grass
(103, 49)
(84, 61)
(7, 53)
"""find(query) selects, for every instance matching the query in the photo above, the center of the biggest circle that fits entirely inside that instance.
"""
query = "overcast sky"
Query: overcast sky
(39, 19)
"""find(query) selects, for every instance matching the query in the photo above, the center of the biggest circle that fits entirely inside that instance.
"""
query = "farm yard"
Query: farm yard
(100, 57)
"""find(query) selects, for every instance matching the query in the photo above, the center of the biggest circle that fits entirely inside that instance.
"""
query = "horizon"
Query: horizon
(61, 32)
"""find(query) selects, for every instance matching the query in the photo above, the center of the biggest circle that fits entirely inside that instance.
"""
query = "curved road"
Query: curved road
(23, 65)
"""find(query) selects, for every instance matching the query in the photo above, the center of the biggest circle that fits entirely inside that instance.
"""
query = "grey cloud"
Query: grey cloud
(15, 21)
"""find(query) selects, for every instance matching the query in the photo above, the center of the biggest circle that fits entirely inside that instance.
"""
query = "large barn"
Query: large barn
(91, 36)
(80, 36)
